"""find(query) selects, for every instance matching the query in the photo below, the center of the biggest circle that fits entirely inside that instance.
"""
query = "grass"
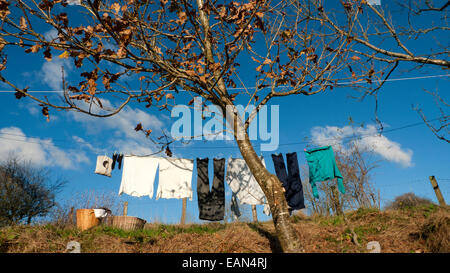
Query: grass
(423, 228)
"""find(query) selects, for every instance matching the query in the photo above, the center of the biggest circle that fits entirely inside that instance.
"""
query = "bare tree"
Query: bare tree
(196, 48)
(26, 192)
(356, 165)
(441, 131)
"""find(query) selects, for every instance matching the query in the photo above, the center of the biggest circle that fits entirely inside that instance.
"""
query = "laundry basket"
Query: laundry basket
(129, 223)
(86, 219)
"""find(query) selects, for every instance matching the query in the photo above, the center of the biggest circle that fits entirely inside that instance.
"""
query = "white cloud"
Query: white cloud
(118, 130)
(51, 73)
(123, 123)
(74, 2)
(51, 34)
(365, 138)
(41, 152)
(35, 110)
(374, 2)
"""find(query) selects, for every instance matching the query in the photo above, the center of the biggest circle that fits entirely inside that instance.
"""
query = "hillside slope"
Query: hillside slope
(422, 229)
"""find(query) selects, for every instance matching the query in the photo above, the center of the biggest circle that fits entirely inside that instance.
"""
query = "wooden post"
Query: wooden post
(183, 212)
(255, 215)
(379, 200)
(125, 208)
(437, 190)
(336, 202)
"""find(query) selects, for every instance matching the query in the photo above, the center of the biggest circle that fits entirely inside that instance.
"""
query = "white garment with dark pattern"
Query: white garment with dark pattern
(103, 166)
(244, 185)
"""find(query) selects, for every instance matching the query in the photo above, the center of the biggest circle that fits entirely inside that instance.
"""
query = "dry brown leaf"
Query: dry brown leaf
(92, 86)
(23, 23)
(190, 73)
(122, 52)
(267, 61)
(47, 54)
(115, 7)
(138, 127)
(182, 18)
(35, 48)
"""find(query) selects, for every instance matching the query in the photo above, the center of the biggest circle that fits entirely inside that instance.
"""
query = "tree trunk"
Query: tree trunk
(271, 186)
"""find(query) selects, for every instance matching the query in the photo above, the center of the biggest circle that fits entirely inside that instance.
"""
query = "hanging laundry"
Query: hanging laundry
(138, 176)
(114, 159)
(244, 185)
(322, 167)
(211, 203)
(234, 206)
(103, 165)
(291, 180)
(119, 160)
(175, 178)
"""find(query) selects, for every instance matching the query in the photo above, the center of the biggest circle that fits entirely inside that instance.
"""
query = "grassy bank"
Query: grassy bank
(414, 229)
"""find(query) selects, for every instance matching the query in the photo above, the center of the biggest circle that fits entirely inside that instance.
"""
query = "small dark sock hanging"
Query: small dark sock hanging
(119, 160)
(114, 158)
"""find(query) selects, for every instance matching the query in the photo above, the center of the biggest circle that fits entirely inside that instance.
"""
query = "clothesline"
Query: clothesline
(254, 87)
(349, 138)
(175, 178)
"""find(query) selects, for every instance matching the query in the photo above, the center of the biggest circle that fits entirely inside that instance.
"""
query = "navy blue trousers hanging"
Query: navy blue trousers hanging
(211, 204)
(291, 180)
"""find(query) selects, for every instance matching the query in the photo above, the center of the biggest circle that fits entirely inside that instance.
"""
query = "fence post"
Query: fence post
(336, 202)
(437, 191)
(125, 208)
(71, 216)
(183, 212)
(379, 200)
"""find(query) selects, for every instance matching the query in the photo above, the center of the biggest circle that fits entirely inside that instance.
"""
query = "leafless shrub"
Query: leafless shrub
(408, 200)
(436, 232)
(355, 166)
(65, 214)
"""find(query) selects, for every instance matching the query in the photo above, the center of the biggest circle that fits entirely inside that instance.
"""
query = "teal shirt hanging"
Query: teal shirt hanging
(323, 167)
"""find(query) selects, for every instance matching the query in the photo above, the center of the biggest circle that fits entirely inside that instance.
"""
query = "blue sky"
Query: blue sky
(69, 143)
(54, 144)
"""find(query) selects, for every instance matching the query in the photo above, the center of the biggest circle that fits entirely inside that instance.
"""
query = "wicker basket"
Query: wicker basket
(86, 219)
(129, 223)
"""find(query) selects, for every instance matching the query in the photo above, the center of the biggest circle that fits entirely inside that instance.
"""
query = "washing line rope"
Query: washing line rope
(253, 87)
(341, 140)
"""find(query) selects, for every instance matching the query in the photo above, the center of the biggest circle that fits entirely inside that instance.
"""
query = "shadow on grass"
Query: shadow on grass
(275, 245)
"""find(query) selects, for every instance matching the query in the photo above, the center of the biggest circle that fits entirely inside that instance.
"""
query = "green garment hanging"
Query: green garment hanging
(322, 167)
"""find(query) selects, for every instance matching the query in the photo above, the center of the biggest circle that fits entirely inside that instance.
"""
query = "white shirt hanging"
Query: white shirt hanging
(175, 178)
(138, 176)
